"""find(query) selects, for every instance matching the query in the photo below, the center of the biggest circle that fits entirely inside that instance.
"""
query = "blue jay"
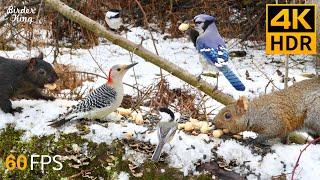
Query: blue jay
(212, 47)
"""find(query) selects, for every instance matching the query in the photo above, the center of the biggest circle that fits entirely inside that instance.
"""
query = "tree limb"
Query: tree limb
(173, 69)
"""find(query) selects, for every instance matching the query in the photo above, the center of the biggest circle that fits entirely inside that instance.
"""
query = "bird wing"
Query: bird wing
(219, 56)
(166, 132)
(216, 55)
(101, 97)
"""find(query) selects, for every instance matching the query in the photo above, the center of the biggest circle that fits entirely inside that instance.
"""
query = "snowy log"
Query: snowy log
(173, 69)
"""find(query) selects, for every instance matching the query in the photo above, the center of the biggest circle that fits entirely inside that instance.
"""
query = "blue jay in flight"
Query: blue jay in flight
(212, 47)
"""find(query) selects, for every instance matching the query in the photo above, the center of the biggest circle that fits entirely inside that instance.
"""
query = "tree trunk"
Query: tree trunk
(97, 28)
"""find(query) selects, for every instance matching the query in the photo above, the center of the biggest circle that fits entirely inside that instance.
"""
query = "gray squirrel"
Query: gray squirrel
(24, 78)
(277, 114)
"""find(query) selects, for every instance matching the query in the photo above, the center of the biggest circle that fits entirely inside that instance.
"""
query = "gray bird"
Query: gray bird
(166, 129)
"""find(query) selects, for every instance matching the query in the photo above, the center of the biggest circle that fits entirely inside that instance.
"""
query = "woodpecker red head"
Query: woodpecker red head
(117, 72)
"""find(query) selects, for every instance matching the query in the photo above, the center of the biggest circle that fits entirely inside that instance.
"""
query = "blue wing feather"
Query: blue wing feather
(214, 55)
(219, 57)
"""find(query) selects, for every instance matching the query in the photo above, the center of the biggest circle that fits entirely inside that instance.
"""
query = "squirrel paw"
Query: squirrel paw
(49, 98)
(16, 110)
(260, 141)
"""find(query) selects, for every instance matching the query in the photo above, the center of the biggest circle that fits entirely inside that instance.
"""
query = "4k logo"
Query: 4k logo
(291, 29)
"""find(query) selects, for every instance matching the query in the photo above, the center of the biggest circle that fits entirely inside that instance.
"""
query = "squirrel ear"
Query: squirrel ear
(40, 56)
(32, 63)
(242, 105)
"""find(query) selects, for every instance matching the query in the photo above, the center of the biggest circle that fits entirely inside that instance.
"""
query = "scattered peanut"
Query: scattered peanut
(188, 126)
(217, 133)
(181, 126)
(51, 86)
(205, 128)
(124, 112)
(128, 135)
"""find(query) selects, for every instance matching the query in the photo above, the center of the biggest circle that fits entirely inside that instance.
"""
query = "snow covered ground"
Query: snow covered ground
(36, 114)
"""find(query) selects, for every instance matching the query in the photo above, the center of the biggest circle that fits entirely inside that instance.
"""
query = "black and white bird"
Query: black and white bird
(114, 19)
(166, 129)
(101, 102)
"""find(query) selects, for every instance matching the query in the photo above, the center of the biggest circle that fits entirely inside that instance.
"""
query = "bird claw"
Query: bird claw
(210, 74)
(199, 77)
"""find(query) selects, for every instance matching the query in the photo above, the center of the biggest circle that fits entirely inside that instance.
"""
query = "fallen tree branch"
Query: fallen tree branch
(173, 69)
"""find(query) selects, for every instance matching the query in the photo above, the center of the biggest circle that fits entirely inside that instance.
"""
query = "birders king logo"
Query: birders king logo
(291, 29)
(21, 14)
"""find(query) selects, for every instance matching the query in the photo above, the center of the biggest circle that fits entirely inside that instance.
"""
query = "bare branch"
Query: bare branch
(170, 67)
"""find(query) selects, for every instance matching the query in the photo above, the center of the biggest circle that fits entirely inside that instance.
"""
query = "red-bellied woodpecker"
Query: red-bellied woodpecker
(101, 102)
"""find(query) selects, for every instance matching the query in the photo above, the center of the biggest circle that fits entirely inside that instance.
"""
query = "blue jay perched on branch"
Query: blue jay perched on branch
(212, 47)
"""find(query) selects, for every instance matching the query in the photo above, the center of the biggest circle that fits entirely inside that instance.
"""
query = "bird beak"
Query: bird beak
(130, 66)
(192, 24)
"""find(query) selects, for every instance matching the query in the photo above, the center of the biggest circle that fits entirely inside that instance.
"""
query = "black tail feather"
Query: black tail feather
(61, 120)
(59, 123)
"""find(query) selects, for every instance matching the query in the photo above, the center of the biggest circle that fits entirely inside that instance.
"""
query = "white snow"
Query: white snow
(137, 158)
(190, 149)
(123, 176)
(114, 131)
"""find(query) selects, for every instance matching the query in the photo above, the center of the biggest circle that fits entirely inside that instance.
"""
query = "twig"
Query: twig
(97, 64)
(266, 76)
(265, 89)
(245, 37)
(286, 76)
(143, 97)
(301, 151)
(133, 68)
(143, 12)
(151, 35)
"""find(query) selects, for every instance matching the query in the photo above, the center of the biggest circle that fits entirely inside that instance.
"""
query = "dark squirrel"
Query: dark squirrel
(26, 78)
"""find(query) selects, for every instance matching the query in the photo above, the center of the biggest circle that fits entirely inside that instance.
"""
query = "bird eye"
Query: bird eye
(118, 69)
(198, 22)
(227, 116)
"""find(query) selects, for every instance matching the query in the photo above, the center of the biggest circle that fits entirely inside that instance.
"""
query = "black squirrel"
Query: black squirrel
(24, 78)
